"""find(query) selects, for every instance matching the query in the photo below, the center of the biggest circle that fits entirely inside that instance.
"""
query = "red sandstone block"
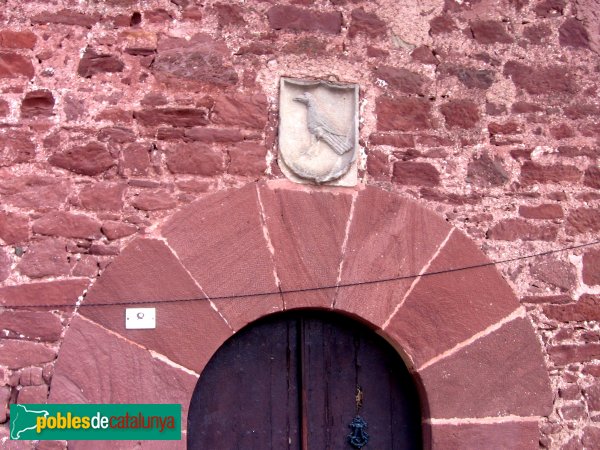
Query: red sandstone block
(547, 211)
(394, 140)
(514, 229)
(485, 171)
(229, 14)
(154, 201)
(32, 325)
(583, 220)
(441, 25)
(592, 177)
(13, 65)
(66, 224)
(37, 104)
(116, 135)
(490, 32)
(213, 135)
(403, 114)
(415, 174)
(400, 79)
(586, 308)
(103, 196)
(66, 17)
(562, 355)
(136, 159)
(17, 39)
(45, 258)
(591, 267)
(75, 378)
(4, 108)
(283, 17)
(117, 230)
(445, 309)
(538, 80)
(532, 173)
(378, 165)
(460, 114)
(549, 8)
(572, 33)
(196, 159)
(248, 111)
(374, 251)
(424, 55)
(5, 265)
(508, 435)
(31, 376)
(33, 394)
(247, 158)
(502, 373)
(15, 354)
(369, 24)
(48, 293)
(177, 117)
(90, 159)
(16, 147)
(93, 63)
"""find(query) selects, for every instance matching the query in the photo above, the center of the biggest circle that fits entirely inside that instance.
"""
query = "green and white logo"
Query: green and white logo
(95, 422)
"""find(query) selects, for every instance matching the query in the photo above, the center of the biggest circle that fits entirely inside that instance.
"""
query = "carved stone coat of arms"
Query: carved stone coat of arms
(318, 132)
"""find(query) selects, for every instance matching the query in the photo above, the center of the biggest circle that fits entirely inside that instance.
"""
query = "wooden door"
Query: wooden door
(296, 381)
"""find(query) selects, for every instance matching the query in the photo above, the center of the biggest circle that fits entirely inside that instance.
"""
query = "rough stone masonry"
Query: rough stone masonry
(115, 113)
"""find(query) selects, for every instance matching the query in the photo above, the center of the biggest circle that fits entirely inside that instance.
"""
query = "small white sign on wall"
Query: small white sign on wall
(140, 318)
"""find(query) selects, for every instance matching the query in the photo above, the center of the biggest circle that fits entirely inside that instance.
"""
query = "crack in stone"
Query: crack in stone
(344, 244)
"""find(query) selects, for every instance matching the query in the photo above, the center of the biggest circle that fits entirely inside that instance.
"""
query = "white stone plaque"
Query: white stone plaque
(318, 131)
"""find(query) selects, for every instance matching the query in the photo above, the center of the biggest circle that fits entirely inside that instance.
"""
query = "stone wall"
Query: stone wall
(115, 113)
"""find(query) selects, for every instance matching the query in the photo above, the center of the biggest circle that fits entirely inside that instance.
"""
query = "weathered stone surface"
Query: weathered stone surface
(562, 355)
(136, 159)
(554, 272)
(147, 271)
(249, 111)
(37, 104)
(490, 32)
(572, 33)
(46, 258)
(538, 80)
(283, 17)
(130, 373)
(591, 267)
(196, 159)
(395, 140)
(31, 376)
(66, 17)
(514, 229)
(93, 63)
(592, 177)
(592, 396)
(591, 436)
(33, 394)
(460, 113)
(247, 158)
(549, 8)
(213, 135)
(139, 42)
(532, 173)
(117, 230)
(485, 171)
(400, 79)
(67, 225)
(228, 14)
(441, 25)
(116, 135)
(309, 46)
(5, 264)
(303, 256)
(16, 354)
(378, 165)
(403, 114)
(546, 211)
(587, 12)
(537, 34)
(17, 39)
(90, 159)
(14, 228)
(41, 325)
(424, 55)
(220, 249)
(154, 201)
(384, 230)
(64, 292)
(198, 60)
(479, 380)
(507, 435)
(369, 24)
(415, 174)
(4, 108)
(33, 191)
(445, 309)
(16, 147)
(177, 117)
(470, 77)
(586, 308)
(86, 266)
(103, 196)
(583, 220)
(13, 65)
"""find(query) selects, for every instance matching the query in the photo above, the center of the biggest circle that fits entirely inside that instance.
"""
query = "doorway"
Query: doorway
(305, 380)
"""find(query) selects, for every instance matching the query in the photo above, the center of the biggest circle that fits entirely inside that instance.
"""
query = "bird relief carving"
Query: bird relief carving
(318, 132)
